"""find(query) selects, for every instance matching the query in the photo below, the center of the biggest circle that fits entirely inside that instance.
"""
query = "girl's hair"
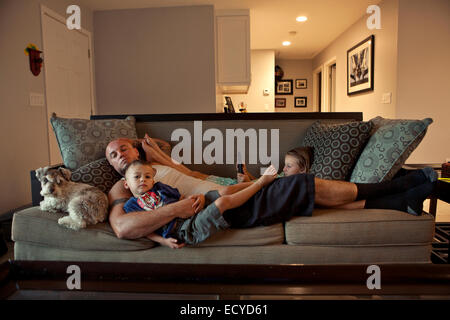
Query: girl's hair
(304, 157)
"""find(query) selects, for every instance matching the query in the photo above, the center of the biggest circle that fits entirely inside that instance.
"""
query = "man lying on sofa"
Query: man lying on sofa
(294, 195)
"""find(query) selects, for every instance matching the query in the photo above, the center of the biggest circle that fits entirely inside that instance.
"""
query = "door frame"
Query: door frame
(54, 15)
(326, 88)
(317, 97)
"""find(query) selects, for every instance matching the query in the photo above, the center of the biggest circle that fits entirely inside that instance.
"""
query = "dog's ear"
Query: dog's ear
(66, 173)
(41, 172)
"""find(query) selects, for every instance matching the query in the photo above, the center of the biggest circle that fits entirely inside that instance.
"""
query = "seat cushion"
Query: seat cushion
(41, 228)
(339, 227)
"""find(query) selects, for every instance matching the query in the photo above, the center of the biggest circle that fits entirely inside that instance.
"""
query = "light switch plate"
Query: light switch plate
(387, 98)
(37, 99)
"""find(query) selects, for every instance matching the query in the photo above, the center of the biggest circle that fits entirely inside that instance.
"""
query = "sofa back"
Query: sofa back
(265, 129)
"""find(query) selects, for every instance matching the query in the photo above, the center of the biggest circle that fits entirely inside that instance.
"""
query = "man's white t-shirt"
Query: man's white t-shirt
(185, 184)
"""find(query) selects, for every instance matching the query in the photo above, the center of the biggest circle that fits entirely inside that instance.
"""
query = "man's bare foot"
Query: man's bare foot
(268, 176)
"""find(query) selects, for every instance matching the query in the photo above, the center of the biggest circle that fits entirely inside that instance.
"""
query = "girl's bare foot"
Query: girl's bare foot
(268, 176)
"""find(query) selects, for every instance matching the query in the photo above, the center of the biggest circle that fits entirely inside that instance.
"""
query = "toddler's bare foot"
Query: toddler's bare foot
(268, 176)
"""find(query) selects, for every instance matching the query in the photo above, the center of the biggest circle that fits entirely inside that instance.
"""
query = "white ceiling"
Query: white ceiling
(272, 20)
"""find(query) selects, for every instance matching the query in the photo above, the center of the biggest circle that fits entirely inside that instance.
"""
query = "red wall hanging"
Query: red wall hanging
(35, 59)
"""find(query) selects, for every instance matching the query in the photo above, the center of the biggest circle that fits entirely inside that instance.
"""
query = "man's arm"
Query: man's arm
(135, 225)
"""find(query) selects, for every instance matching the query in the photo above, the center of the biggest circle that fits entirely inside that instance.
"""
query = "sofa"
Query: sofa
(329, 236)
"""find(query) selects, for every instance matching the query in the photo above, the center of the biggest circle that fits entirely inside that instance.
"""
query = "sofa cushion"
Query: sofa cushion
(391, 143)
(82, 141)
(98, 173)
(40, 227)
(336, 148)
(339, 227)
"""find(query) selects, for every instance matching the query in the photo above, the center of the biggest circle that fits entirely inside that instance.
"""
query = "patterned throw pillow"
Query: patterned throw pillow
(336, 147)
(82, 141)
(98, 173)
(391, 143)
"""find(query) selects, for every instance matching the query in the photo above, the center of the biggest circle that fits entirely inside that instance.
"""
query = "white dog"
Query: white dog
(84, 203)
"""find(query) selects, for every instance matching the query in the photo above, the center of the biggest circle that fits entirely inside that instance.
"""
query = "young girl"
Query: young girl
(297, 160)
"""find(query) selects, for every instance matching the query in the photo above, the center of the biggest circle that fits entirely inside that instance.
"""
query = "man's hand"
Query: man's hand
(199, 202)
(184, 208)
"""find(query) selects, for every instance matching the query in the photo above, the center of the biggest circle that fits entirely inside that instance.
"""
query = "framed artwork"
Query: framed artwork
(280, 102)
(300, 102)
(301, 83)
(283, 87)
(360, 66)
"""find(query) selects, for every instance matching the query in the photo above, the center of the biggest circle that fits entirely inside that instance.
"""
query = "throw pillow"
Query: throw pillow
(336, 147)
(82, 141)
(98, 173)
(391, 143)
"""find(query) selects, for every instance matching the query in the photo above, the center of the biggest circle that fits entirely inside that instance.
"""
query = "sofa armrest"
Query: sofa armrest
(36, 197)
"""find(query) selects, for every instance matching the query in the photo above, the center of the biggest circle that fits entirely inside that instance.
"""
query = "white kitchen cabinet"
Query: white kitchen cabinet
(233, 50)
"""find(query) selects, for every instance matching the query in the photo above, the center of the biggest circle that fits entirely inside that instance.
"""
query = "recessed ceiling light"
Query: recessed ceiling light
(301, 19)
(286, 43)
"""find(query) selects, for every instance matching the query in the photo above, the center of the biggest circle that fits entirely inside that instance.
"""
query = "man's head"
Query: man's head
(139, 177)
(120, 153)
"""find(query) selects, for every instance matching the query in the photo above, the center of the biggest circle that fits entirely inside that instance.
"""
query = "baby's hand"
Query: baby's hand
(172, 243)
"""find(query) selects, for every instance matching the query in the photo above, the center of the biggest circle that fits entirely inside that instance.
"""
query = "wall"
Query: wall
(423, 65)
(158, 60)
(262, 77)
(385, 64)
(297, 69)
(23, 129)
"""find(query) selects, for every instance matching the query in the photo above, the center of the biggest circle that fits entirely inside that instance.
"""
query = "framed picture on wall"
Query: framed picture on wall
(301, 83)
(360, 66)
(300, 102)
(283, 87)
(280, 102)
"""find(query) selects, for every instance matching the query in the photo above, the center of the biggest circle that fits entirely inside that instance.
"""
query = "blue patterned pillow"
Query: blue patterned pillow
(98, 173)
(391, 143)
(336, 147)
(82, 141)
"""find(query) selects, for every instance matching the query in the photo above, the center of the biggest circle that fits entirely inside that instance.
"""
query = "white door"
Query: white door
(67, 74)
